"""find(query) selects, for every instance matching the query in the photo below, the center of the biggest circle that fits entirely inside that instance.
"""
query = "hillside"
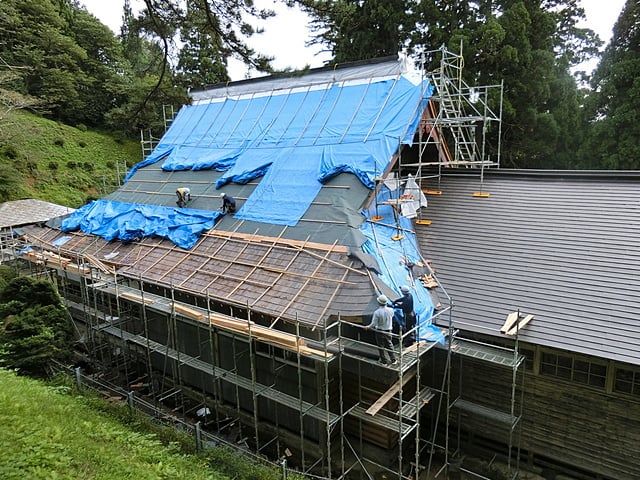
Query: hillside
(57, 163)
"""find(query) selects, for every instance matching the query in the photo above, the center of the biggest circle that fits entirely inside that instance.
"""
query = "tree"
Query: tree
(34, 326)
(530, 44)
(65, 57)
(614, 106)
(355, 30)
(201, 60)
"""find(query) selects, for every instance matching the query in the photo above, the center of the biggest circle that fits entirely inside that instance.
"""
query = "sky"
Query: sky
(285, 36)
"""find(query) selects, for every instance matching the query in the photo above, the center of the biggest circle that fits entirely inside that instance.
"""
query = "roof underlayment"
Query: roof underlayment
(301, 156)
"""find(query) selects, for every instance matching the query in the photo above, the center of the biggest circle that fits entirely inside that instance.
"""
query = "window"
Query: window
(627, 381)
(570, 368)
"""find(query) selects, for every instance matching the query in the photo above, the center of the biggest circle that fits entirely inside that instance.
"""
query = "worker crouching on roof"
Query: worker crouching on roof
(184, 196)
(405, 303)
(382, 322)
(228, 203)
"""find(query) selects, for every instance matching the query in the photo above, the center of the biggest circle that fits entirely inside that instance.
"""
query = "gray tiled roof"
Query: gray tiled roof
(24, 212)
(560, 245)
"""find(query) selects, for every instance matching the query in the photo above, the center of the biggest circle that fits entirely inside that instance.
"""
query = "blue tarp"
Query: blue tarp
(393, 257)
(130, 221)
(338, 127)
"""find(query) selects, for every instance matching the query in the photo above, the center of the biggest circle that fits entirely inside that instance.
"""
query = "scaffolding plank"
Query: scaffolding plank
(382, 421)
(304, 407)
(410, 408)
(487, 353)
(487, 412)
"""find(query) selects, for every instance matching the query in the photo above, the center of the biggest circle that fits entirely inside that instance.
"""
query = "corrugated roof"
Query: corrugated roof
(24, 212)
(561, 246)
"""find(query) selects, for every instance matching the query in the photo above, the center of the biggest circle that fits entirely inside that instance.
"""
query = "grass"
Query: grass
(45, 433)
(49, 161)
(53, 431)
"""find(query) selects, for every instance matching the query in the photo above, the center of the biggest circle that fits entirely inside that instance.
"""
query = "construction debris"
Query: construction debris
(428, 281)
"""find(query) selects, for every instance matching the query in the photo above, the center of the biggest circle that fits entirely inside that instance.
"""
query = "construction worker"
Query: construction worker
(405, 303)
(228, 203)
(382, 322)
(184, 196)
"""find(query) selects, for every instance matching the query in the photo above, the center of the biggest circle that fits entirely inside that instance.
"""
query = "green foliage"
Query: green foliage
(356, 30)
(34, 326)
(530, 45)
(6, 274)
(44, 433)
(613, 108)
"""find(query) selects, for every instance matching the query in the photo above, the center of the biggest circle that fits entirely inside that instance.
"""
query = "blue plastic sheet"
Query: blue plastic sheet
(130, 221)
(347, 126)
(393, 255)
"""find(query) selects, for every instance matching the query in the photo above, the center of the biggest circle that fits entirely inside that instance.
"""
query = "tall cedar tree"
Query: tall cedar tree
(201, 60)
(614, 140)
(530, 44)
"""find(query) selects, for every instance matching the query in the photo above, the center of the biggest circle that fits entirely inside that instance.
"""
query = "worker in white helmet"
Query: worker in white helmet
(382, 323)
(184, 196)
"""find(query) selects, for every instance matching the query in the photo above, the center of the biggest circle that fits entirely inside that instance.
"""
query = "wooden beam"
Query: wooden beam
(519, 326)
(136, 298)
(388, 395)
(278, 241)
(512, 318)
(187, 312)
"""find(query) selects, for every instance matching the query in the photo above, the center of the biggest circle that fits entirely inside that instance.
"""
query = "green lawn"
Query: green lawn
(45, 433)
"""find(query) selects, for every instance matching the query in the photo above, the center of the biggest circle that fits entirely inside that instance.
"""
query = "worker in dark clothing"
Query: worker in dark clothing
(405, 303)
(381, 323)
(184, 196)
(228, 203)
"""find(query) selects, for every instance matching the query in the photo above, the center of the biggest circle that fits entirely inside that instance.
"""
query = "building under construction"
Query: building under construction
(258, 317)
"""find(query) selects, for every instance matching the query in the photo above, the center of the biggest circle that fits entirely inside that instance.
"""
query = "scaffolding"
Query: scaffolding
(287, 382)
(316, 392)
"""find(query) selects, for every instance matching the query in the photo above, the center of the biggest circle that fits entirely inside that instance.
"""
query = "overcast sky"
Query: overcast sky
(285, 36)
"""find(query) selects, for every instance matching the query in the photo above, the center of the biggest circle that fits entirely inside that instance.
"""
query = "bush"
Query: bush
(72, 165)
(82, 144)
(53, 166)
(88, 167)
(59, 142)
(9, 151)
(34, 326)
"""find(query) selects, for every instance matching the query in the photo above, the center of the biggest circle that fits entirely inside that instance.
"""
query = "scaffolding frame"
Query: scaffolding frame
(121, 311)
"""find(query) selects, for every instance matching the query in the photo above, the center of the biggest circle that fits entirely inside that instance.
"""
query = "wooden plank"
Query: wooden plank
(136, 298)
(188, 312)
(388, 395)
(278, 241)
(519, 326)
(512, 318)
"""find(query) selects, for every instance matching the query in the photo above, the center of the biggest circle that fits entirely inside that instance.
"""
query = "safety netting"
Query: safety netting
(129, 221)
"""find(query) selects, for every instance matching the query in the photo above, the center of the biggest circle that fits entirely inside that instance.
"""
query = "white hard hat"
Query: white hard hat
(405, 289)
(222, 195)
(382, 299)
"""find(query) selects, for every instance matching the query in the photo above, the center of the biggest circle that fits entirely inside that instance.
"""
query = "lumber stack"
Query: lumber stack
(187, 312)
(53, 259)
(284, 340)
(134, 297)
